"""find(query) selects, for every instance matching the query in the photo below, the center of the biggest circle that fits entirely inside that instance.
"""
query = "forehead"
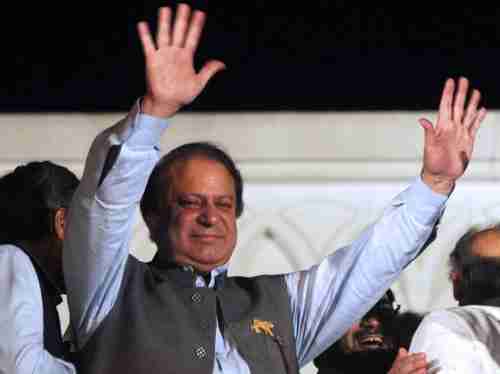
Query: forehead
(201, 176)
(487, 244)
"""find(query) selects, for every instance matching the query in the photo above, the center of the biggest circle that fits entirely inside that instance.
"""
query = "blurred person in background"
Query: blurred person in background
(34, 199)
(466, 339)
(373, 343)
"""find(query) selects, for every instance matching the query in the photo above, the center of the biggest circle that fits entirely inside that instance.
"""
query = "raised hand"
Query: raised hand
(171, 79)
(409, 363)
(448, 145)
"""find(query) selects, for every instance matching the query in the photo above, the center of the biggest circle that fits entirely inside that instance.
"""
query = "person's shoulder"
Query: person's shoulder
(12, 254)
(479, 309)
(479, 316)
(443, 313)
(455, 320)
(468, 311)
(441, 317)
(436, 326)
(17, 268)
(490, 310)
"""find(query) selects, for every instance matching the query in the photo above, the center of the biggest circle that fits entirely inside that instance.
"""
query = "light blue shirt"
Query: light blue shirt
(325, 300)
(21, 319)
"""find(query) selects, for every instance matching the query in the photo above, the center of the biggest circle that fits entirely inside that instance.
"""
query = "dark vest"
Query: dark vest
(162, 323)
(51, 298)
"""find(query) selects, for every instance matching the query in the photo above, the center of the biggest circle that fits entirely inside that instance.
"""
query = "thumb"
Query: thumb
(209, 70)
(402, 352)
(427, 126)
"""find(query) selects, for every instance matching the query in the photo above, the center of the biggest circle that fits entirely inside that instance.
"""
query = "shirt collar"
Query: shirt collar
(214, 278)
(211, 279)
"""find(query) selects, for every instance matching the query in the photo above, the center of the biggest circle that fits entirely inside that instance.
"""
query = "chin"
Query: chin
(207, 263)
(212, 256)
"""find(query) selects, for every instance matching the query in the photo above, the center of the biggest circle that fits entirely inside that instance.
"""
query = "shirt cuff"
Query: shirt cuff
(425, 205)
(147, 130)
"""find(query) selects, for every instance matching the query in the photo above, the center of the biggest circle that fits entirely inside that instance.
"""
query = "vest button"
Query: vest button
(196, 298)
(201, 353)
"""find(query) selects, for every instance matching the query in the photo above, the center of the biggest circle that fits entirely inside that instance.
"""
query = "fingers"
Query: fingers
(446, 100)
(458, 105)
(181, 25)
(471, 112)
(186, 31)
(452, 111)
(473, 118)
(163, 31)
(209, 70)
(415, 361)
(407, 363)
(477, 123)
(195, 29)
(148, 45)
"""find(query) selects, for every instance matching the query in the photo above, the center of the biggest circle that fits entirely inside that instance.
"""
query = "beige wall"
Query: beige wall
(314, 181)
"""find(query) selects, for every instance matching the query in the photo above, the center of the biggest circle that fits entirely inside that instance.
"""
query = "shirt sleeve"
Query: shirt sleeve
(102, 215)
(328, 298)
(21, 319)
(448, 344)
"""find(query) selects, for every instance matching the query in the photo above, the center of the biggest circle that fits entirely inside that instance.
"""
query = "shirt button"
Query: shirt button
(201, 353)
(196, 298)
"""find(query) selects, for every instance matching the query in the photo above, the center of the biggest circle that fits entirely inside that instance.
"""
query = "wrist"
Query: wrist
(155, 109)
(438, 183)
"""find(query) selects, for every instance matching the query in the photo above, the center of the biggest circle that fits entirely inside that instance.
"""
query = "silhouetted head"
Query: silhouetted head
(475, 266)
(372, 343)
(33, 202)
(30, 197)
(370, 333)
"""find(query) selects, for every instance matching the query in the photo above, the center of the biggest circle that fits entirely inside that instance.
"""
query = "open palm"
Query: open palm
(171, 79)
(449, 144)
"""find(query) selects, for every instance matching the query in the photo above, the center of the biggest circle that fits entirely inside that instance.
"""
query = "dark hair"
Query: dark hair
(403, 327)
(480, 280)
(385, 307)
(480, 276)
(462, 253)
(160, 178)
(29, 196)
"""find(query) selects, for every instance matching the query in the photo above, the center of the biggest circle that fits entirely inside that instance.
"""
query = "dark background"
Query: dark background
(316, 55)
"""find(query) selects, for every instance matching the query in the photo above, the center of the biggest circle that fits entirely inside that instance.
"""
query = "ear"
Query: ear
(60, 223)
(454, 276)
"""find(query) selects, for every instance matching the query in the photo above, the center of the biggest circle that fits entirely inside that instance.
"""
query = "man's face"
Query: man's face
(367, 335)
(202, 219)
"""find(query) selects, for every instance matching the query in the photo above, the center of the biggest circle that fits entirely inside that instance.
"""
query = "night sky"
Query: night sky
(316, 56)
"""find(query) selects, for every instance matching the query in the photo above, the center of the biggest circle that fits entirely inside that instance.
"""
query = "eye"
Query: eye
(189, 203)
(225, 204)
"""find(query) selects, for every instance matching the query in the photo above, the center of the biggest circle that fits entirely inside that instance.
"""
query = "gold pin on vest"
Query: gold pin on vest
(262, 327)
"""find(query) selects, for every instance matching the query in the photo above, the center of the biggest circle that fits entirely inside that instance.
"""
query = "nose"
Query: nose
(370, 323)
(208, 216)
